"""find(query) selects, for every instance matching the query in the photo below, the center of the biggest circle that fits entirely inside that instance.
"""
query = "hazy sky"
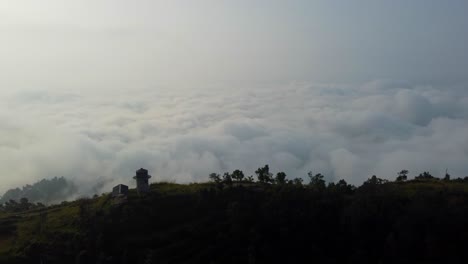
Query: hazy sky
(94, 89)
(142, 43)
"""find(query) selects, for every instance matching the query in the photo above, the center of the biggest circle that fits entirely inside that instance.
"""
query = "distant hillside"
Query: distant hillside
(235, 221)
(44, 191)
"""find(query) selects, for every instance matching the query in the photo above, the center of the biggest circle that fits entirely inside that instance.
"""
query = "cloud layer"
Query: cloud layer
(343, 131)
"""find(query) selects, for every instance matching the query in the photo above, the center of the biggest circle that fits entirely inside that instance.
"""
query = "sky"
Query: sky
(93, 90)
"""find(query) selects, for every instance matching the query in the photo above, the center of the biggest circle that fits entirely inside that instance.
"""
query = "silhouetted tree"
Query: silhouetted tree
(343, 187)
(447, 176)
(238, 175)
(296, 181)
(424, 176)
(12, 206)
(316, 181)
(402, 176)
(227, 178)
(264, 175)
(280, 178)
(24, 204)
(24, 200)
(214, 177)
(375, 181)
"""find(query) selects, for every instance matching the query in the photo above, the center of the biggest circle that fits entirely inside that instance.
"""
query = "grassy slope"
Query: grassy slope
(168, 219)
(59, 223)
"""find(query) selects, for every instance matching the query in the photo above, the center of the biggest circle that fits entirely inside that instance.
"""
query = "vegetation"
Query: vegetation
(45, 191)
(234, 219)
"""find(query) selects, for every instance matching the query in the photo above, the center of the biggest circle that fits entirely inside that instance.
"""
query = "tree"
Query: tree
(343, 187)
(447, 176)
(238, 175)
(316, 180)
(402, 176)
(375, 181)
(24, 201)
(24, 204)
(214, 177)
(280, 178)
(45, 190)
(11, 206)
(227, 178)
(297, 181)
(424, 176)
(264, 175)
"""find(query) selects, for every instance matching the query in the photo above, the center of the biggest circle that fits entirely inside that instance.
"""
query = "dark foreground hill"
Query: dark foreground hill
(424, 221)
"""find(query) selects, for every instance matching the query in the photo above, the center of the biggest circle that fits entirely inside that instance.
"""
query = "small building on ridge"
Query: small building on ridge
(120, 190)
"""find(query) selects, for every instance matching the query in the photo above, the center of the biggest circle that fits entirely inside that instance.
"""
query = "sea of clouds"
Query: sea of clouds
(100, 138)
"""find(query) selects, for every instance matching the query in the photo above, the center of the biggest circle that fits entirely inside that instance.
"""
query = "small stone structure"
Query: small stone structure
(142, 178)
(120, 190)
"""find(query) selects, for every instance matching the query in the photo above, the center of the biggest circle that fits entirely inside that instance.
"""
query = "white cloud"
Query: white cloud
(182, 135)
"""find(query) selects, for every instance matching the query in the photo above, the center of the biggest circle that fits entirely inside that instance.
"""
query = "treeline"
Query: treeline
(264, 176)
(24, 204)
(44, 191)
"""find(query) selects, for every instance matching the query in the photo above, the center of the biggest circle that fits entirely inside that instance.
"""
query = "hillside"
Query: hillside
(44, 191)
(419, 221)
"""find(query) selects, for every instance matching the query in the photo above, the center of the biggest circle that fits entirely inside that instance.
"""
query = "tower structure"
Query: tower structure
(142, 178)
